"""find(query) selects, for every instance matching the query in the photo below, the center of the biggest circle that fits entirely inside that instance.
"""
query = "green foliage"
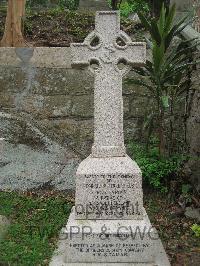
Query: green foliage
(166, 74)
(133, 6)
(34, 229)
(196, 229)
(156, 171)
(69, 4)
(63, 25)
(186, 190)
(63, 4)
(31, 3)
(127, 7)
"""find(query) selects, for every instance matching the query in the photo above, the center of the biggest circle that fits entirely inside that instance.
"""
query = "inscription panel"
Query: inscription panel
(110, 249)
(109, 196)
(93, 247)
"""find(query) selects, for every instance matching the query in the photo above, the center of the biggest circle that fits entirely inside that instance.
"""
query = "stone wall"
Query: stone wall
(193, 121)
(193, 131)
(182, 5)
(46, 117)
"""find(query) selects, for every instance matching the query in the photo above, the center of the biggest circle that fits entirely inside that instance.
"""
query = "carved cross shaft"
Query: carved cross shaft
(107, 47)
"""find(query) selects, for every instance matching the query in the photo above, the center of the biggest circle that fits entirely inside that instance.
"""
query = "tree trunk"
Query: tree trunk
(161, 134)
(171, 133)
(13, 36)
(156, 5)
(114, 4)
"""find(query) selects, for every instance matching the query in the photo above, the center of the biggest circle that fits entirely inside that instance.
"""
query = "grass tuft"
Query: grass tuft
(35, 225)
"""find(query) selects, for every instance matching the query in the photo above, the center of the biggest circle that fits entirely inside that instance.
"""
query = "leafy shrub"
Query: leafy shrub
(196, 229)
(156, 171)
(31, 3)
(133, 6)
(167, 74)
(186, 191)
(127, 7)
(68, 4)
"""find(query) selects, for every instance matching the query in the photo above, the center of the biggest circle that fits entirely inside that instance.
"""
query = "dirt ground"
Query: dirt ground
(57, 28)
(174, 228)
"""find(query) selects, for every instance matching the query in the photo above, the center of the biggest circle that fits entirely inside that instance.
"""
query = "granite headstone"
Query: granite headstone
(109, 223)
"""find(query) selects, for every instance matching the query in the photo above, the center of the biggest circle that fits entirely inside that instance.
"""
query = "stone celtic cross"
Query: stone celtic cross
(108, 218)
(108, 47)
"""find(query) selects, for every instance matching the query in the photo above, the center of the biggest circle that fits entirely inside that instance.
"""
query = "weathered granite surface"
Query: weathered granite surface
(108, 181)
(107, 54)
(109, 188)
(30, 160)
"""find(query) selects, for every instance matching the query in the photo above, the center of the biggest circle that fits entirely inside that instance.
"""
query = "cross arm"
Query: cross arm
(133, 53)
(80, 54)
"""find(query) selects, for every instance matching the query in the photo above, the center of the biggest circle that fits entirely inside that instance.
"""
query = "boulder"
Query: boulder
(193, 213)
(29, 159)
(4, 224)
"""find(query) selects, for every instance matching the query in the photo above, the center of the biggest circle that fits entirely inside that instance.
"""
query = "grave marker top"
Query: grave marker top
(107, 47)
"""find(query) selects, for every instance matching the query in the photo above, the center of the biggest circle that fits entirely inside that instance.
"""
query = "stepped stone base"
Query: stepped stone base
(109, 242)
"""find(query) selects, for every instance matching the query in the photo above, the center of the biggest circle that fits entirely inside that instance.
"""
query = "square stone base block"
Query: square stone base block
(109, 243)
(109, 189)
